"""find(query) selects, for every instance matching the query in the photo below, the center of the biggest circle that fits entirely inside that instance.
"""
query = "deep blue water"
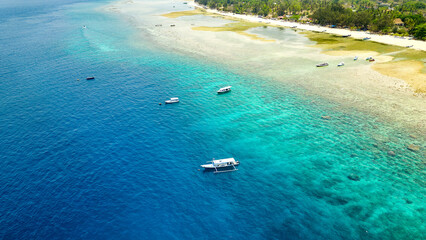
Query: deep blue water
(102, 160)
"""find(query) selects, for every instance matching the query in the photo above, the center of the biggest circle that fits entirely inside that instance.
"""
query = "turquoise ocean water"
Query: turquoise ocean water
(102, 160)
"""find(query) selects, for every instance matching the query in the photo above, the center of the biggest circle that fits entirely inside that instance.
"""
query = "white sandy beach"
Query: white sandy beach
(386, 39)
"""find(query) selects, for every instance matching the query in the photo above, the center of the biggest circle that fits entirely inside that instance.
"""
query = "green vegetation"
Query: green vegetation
(402, 18)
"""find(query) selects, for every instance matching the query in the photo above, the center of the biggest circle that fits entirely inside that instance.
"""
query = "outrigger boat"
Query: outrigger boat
(224, 90)
(227, 164)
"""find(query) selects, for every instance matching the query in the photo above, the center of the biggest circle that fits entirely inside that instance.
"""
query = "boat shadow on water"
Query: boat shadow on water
(223, 169)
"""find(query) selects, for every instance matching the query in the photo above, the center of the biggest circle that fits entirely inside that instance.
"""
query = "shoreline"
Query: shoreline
(385, 39)
(357, 86)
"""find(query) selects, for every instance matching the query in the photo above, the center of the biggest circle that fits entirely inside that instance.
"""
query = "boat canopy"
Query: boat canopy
(226, 160)
(226, 87)
(175, 98)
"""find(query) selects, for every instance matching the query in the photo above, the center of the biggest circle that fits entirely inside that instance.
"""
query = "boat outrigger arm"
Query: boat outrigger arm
(230, 170)
(222, 163)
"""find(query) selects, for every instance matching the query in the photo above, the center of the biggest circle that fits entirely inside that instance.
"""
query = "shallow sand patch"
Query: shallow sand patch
(255, 37)
(409, 70)
(196, 11)
(232, 27)
(237, 27)
(350, 53)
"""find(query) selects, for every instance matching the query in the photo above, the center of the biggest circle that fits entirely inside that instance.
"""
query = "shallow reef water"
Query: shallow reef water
(102, 159)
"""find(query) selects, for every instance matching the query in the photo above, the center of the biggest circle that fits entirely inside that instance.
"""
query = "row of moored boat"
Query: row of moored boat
(370, 59)
(220, 91)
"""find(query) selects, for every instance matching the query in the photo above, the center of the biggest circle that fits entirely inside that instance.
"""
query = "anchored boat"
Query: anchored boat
(224, 89)
(222, 165)
(322, 65)
(172, 100)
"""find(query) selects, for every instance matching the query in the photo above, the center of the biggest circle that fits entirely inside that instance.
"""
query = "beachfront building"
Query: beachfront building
(398, 22)
(305, 19)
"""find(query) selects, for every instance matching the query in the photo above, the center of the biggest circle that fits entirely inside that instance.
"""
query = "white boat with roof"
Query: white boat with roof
(224, 89)
(172, 100)
(222, 165)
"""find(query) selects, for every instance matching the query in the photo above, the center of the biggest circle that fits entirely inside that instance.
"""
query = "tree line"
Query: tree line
(376, 16)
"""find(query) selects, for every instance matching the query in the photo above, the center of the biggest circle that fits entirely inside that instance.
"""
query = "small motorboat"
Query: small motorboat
(341, 64)
(222, 165)
(369, 58)
(345, 36)
(355, 58)
(366, 38)
(322, 65)
(410, 46)
(172, 100)
(224, 90)
(90, 78)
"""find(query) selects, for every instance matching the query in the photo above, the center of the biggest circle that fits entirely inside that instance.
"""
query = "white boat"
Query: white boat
(227, 164)
(369, 58)
(355, 58)
(224, 89)
(172, 100)
(341, 64)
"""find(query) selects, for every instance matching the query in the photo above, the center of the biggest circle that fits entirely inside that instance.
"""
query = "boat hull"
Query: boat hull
(221, 92)
(210, 166)
(322, 65)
